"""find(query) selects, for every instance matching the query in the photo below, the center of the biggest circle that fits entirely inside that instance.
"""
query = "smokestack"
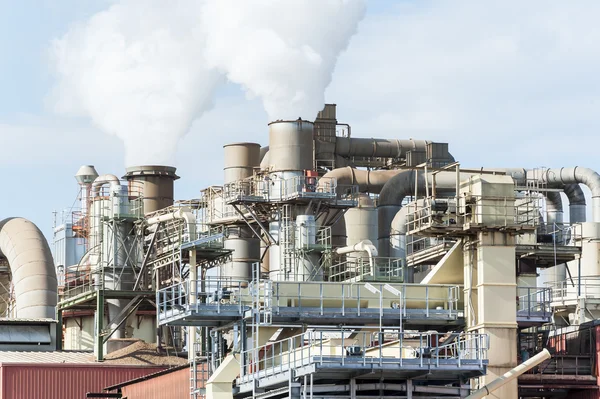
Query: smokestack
(154, 183)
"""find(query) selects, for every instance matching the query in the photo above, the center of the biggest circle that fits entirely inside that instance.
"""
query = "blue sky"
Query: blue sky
(506, 83)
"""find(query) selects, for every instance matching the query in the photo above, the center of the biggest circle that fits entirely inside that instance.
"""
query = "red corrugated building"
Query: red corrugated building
(168, 384)
(64, 375)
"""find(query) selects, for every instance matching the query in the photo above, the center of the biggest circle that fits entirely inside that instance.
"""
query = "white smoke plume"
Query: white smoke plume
(143, 70)
(282, 51)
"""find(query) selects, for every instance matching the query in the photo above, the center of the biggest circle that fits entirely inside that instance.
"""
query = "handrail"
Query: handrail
(534, 300)
(321, 297)
(349, 347)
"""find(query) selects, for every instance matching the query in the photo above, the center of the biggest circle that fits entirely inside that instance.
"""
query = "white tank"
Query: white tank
(306, 231)
(291, 145)
(361, 222)
(120, 201)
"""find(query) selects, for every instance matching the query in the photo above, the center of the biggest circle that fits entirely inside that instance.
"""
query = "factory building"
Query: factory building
(326, 265)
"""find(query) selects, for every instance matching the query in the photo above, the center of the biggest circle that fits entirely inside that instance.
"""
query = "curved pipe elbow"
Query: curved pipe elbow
(182, 213)
(32, 268)
(102, 180)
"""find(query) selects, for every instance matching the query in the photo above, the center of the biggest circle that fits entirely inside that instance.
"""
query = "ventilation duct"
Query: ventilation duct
(32, 268)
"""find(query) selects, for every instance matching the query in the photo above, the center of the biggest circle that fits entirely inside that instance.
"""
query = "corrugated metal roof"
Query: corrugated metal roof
(146, 377)
(67, 357)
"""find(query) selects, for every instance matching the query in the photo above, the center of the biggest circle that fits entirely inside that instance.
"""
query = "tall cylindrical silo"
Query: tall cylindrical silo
(240, 161)
(155, 183)
(291, 145)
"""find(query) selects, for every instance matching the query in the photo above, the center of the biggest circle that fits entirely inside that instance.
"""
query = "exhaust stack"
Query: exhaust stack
(155, 184)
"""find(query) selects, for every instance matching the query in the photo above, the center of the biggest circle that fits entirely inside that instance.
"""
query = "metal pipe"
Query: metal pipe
(577, 204)
(102, 180)
(510, 375)
(554, 208)
(33, 274)
(368, 181)
(564, 176)
(385, 148)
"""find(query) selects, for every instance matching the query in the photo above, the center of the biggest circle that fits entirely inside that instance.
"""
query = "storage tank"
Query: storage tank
(246, 251)
(154, 182)
(307, 266)
(361, 221)
(291, 145)
(240, 160)
(239, 164)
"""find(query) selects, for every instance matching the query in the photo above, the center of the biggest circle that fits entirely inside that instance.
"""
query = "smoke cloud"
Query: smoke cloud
(282, 51)
(143, 70)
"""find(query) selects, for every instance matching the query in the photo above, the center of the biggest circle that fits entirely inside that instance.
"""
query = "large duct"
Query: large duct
(367, 181)
(32, 268)
(554, 208)
(577, 211)
(566, 176)
(396, 189)
(154, 183)
(384, 148)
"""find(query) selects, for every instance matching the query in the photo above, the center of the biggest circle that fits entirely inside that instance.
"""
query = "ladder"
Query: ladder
(198, 373)
(262, 298)
(286, 243)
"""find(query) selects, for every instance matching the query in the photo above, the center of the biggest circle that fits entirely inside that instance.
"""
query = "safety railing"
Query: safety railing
(321, 298)
(353, 349)
(423, 249)
(559, 234)
(577, 287)
(209, 236)
(534, 301)
(500, 212)
(364, 268)
(277, 190)
(565, 365)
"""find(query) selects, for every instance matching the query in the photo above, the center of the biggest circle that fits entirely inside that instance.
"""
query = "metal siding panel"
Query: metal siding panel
(175, 385)
(65, 382)
(584, 394)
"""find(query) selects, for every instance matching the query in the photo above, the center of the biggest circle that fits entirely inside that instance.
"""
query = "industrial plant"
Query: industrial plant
(325, 266)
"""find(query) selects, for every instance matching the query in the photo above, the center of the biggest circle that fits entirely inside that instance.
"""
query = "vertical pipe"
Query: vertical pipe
(99, 324)
(193, 295)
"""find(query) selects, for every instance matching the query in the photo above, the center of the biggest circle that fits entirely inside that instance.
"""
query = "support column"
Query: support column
(491, 213)
(491, 307)
(99, 325)
(409, 389)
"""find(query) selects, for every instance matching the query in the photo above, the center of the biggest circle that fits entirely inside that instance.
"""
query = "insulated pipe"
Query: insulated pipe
(577, 203)
(510, 375)
(393, 192)
(32, 268)
(554, 208)
(102, 180)
(574, 175)
(367, 181)
(392, 148)
(182, 213)
(363, 246)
